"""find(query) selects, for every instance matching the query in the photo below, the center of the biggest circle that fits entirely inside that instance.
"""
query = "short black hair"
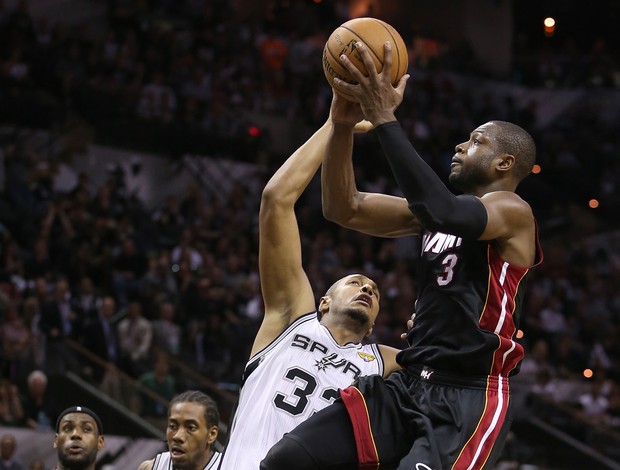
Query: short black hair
(212, 414)
(514, 140)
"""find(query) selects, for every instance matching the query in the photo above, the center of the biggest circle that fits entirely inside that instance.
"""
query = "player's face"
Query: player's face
(471, 165)
(78, 441)
(189, 437)
(359, 298)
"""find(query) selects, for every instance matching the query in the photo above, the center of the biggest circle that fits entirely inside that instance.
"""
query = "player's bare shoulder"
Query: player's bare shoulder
(511, 226)
(389, 359)
(146, 465)
(507, 214)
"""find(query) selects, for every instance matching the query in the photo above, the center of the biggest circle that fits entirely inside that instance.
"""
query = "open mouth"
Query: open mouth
(366, 299)
(176, 453)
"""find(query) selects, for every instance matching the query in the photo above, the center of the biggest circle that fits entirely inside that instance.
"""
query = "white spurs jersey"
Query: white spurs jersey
(298, 374)
(164, 462)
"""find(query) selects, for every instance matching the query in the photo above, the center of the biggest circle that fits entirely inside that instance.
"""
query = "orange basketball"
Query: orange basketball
(373, 33)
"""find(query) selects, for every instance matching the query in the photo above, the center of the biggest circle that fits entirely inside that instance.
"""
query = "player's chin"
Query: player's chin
(77, 460)
(359, 315)
(180, 462)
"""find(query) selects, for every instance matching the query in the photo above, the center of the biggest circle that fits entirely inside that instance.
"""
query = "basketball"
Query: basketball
(373, 33)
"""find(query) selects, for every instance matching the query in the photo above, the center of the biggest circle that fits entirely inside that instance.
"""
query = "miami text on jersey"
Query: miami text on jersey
(438, 242)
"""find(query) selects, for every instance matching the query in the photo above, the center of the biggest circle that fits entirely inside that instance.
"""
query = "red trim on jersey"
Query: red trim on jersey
(476, 451)
(367, 456)
(497, 314)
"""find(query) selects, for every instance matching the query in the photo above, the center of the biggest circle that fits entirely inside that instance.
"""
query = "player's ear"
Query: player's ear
(55, 441)
(212, 436)
(324, 304)
(369, 332)
(101, 443)
(506, 162)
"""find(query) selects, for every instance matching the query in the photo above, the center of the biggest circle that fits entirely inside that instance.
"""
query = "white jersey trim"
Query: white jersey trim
(163, 461)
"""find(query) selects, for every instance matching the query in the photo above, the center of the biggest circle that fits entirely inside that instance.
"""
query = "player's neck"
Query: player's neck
(205, 460)
(343, 333)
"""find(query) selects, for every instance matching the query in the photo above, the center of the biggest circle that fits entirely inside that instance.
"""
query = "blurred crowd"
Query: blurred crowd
(137, 287)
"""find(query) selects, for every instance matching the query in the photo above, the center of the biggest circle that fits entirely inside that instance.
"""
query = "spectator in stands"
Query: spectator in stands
(85, 302)
(160, 381)
(135, 334)
(78, 439)
(593, 403)
(8, 447)
(15, 344)
(31, 310)
(186, 251)
(128, 267)
(159, 283)
(39, 264)
(58, 322)
(101, 338)
(168, 222)
(158, 101)
(166, 332)
(11, 410)
(38, 404)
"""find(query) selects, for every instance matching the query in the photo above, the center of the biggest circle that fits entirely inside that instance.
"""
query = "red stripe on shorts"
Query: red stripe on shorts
(358, 412)
(477, 450)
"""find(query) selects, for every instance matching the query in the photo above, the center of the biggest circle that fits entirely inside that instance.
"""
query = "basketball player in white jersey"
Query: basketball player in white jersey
(192, 430)
(301, 356)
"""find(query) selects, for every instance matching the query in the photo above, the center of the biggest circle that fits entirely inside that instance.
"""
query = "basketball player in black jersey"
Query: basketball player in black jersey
(449, 407)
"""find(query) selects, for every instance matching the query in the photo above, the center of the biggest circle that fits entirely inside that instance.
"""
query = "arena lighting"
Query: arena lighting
(587, 373)
(536, 169)
(519, 334)
(549, 24)
(593, 203)
(254, 131)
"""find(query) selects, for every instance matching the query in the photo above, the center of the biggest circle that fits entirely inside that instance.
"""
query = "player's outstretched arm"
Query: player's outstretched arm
(287, 293)
(371, 213)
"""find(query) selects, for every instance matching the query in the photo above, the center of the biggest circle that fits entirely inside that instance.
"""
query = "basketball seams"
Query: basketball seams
(340, 90)
(372, 33)
(368, 46)
(394, 45)
(336, 59)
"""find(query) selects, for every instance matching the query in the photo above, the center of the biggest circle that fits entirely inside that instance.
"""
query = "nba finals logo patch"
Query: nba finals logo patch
(365, 356)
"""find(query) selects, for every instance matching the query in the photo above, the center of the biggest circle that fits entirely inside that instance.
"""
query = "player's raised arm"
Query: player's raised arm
(371, 213)
(286, 290)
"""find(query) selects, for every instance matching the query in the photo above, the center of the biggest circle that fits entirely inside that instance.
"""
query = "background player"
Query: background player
(79, 437)
(191, 433)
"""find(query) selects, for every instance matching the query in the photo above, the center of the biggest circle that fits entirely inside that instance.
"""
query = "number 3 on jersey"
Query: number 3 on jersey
(306, 384)
(448, 263)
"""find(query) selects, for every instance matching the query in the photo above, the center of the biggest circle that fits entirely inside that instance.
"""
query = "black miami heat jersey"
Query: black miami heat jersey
(468, 308)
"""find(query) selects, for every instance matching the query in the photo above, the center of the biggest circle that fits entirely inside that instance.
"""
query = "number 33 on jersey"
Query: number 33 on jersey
(298, 374)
